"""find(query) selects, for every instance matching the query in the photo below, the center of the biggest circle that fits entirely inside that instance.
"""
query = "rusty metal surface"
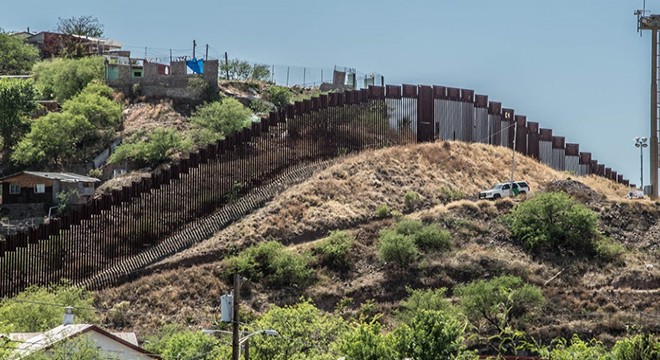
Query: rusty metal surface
(393, 92)
(425, 115)
(467, 95)
(467, 120)
(409, 91)
(481, 101)
(495, 108)
(454, 94)
(521, 134)
(440, 92)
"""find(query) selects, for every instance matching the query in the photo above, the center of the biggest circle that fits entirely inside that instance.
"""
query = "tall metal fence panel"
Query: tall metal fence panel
(116, 229)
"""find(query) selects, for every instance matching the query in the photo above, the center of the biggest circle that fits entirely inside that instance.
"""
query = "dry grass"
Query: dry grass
(345, 196)
(147, 117)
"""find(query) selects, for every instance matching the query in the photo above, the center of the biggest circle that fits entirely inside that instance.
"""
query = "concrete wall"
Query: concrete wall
(156, 86)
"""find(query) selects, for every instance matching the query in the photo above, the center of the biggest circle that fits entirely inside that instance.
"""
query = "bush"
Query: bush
(411, 199)
(243, 70)
(425, 237)
(575, 349)
(382, 211)
(431, 237)
(30, 310)
(498, 301)
(397, 248)
(333, 251)
(61, 79)
(554, 221)
(96, 107)
(638, 347)
(366, 342)
(431, 335)
(271, 262)
(222, 118)
(158, 147)
(279, 95)
(607, 249)
(423, 299)
(176, 343)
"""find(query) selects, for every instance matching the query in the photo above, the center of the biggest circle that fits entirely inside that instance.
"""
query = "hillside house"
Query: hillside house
(51, 44)
(123, 346)
(36, 187)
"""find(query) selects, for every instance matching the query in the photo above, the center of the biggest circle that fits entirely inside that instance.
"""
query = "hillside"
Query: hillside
(588, 296)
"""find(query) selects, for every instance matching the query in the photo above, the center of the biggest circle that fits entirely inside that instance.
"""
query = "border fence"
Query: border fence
(118, 226)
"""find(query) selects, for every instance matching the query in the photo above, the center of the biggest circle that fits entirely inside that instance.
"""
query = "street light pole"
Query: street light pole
(641, 144)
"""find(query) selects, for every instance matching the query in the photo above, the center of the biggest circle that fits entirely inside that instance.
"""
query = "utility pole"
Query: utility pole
(652, 22)
(235, 319)
(194, 46)
(513, 157)
(206, 57)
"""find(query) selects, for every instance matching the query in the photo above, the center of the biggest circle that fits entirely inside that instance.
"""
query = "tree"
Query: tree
(62, 79)
(16, 56)
(426, 299)
(174, 343)
(54, 140)
(431, 335)
(499, 301)
(554, 221)
(365, 342)
(222, 117)
(16, 102)
(305, 332)
(243, 70)
(37, 309)
(85, 25)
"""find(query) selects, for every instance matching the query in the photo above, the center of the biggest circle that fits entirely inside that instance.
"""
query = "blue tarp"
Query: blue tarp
(197, 66)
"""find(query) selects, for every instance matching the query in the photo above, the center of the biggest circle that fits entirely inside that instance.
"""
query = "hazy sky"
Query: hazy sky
(578, 67)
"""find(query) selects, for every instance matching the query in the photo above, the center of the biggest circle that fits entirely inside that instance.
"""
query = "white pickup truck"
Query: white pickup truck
(504, 189)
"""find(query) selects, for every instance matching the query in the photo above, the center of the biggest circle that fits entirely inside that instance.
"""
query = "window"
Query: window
(39, 188)
(14, 189)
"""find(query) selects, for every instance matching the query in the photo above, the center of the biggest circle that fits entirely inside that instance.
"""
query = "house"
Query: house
(36, 187)
(111, 345)
(51, 44)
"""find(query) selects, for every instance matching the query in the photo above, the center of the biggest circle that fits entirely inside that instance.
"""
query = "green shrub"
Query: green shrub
(333, 251)
(397, 248)
(259, 106)
(431, 335)
(431, 237)
(365, 342)
(271, 262)
(222, 118)
(425, 237)
(61, 79)
(638, 347)
(575, 349)
(448, 193)
(279, 95)
(173, 343)
(499, 301)
(382, 211)
(160, 145)
(423, 299)
(30, 310)
(411, 199)
(607, 249)
(554, 221)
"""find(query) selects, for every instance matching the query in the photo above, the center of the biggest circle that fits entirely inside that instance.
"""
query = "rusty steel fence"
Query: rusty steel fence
(115, 229)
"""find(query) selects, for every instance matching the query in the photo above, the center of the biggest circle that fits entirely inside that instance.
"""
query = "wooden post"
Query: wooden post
(206, 57)
(653, 148)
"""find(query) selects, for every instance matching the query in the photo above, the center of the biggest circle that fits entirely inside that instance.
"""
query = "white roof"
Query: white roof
(33, 342)
(63, 176)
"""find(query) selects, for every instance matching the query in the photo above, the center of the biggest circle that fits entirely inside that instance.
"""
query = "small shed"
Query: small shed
(32, 187)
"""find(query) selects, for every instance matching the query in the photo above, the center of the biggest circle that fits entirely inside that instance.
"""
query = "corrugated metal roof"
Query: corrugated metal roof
(61, 176)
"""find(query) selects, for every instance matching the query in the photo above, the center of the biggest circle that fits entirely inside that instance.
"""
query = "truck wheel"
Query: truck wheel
(496, 196)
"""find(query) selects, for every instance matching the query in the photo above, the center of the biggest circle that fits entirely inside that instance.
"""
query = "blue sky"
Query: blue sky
(578, 67)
